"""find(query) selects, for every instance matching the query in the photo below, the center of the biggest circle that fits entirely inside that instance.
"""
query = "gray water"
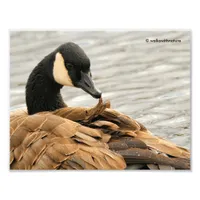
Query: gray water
(147, 81)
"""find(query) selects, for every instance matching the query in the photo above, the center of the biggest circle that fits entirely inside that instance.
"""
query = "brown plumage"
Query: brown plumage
(88, 138)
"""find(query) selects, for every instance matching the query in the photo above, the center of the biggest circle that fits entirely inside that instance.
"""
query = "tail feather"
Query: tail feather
(138, 156)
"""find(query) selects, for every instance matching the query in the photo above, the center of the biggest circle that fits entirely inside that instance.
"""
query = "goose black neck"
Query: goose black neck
(42, 92)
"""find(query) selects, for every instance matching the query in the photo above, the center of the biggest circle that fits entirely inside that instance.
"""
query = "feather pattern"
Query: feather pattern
(88, 138)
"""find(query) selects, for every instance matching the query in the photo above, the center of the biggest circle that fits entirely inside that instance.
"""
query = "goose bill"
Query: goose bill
(86, 83)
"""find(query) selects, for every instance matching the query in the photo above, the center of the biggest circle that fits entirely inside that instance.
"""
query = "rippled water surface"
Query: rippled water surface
(147, 81)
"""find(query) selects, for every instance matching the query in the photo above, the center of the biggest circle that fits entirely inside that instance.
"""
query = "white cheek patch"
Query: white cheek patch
(60, 72)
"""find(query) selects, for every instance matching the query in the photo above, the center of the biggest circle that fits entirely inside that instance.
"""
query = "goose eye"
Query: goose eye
(69, 66)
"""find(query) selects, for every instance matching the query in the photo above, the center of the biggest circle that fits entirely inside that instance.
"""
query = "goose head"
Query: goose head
(71, 67)
(68, 65)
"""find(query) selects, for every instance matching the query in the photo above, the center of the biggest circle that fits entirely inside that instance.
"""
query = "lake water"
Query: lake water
(146, 80)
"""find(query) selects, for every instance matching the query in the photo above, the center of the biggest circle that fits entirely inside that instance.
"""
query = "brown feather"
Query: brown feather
(88, 138)
(136, 155)
(153, 166)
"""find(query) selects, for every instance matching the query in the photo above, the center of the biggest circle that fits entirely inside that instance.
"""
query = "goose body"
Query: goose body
(51, 135)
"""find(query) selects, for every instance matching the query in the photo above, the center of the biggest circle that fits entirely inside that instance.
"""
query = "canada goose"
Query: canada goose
(51, 135)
